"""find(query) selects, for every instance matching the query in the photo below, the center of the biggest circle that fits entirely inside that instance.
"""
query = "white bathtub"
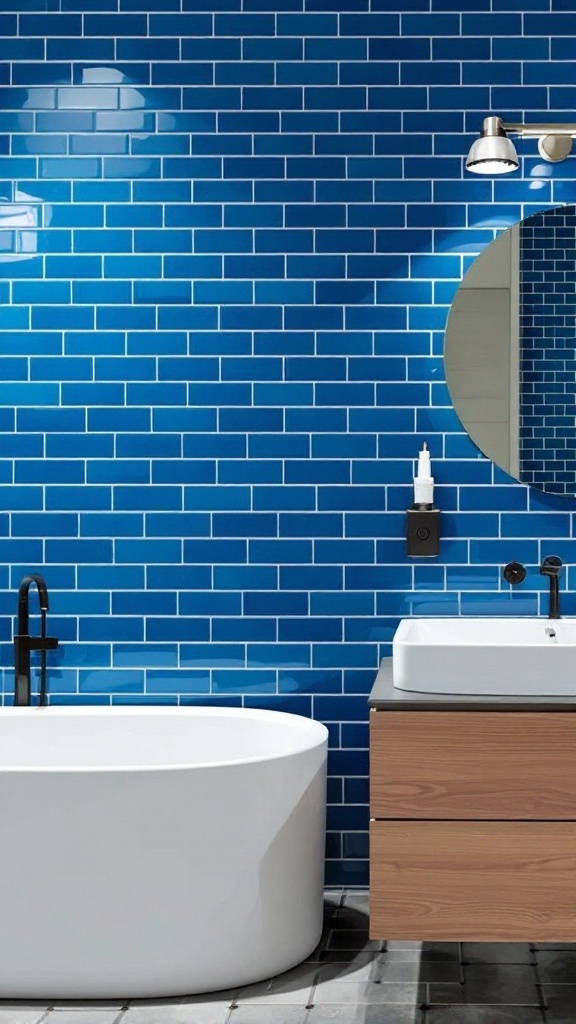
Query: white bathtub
(157, 851)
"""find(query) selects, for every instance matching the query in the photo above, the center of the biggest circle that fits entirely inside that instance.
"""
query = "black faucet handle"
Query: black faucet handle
(48, 643)
(37, 643)
(551, 566)
(514, 573)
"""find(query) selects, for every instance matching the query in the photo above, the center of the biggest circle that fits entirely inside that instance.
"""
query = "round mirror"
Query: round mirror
(510, 351)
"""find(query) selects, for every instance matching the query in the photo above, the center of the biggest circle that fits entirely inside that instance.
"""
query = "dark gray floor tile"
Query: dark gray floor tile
(484, 1015)
(348, 958)
(442, 994)
(330, 914)
(347, 938)
(363, 967)
(416, 956)
(267, 1014)
(365, 1015)
(165, 1012)
(556, 967)
(224, 997)
(544, 946)
(406, 970)
(351, 919)
(350, 993)
(374, 966)
(497, 953)
(293, 987)
(560, 1000)
(406, 949)
(500, 984)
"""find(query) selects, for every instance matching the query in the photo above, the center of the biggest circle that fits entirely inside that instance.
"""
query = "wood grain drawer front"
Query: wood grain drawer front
(476, 881)
(458, 764)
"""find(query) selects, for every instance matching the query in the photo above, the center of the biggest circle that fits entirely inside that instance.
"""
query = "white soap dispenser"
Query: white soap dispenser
(424, 481)
(422, 519)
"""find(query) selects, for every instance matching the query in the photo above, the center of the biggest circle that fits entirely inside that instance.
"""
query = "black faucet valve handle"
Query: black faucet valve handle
(514, 573)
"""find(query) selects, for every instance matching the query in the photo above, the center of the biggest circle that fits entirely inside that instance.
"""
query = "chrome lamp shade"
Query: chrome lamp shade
(492, 154)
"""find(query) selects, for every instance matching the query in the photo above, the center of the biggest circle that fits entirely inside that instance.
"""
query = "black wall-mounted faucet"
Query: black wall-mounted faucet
(552, 568)
(24, 643)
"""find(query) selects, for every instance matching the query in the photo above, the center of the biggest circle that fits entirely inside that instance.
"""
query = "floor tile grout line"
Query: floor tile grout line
(540, 989)
(461, 962)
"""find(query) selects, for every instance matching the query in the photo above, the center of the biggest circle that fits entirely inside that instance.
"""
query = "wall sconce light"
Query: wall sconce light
(494, 152)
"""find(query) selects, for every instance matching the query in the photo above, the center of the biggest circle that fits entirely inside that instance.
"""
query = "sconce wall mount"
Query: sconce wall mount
(495, 153)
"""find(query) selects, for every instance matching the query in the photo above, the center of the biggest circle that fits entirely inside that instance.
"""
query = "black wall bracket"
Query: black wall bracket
(422, 531)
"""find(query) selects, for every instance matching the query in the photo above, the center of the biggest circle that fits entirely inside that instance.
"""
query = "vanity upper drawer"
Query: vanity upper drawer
(458, 764)
(483, 881)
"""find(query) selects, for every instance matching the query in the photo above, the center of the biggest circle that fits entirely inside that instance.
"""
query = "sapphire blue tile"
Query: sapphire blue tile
(307, 25)
(280, 551)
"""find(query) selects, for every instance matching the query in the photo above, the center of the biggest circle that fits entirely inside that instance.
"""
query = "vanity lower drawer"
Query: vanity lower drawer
(466, 764)
(474, 881)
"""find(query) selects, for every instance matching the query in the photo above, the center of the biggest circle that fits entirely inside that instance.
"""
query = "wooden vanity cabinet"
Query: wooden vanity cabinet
(473, 830)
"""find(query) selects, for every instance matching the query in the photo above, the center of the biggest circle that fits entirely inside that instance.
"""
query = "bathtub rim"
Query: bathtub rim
(318, 736)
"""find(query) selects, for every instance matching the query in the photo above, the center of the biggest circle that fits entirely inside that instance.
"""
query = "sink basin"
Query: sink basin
(520, 657)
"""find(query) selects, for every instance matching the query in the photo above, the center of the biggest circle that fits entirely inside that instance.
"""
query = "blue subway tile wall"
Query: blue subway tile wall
(547, 357)
(230, 235)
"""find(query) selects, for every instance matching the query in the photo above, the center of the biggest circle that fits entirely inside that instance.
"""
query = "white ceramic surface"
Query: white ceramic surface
(157, 851)
(523, 657)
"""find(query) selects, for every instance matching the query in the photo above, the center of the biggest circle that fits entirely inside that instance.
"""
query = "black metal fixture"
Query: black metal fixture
(24, 643)
(514, 573)
(423, 531)
(552, 568)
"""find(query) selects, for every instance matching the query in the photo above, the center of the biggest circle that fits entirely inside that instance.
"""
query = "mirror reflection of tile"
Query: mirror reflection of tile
(547, 350)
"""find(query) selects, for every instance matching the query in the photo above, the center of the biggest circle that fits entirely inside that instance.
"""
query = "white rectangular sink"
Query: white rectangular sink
(523, 657)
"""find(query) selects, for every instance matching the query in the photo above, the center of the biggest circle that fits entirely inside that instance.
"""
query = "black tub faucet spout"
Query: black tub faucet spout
(24, 643)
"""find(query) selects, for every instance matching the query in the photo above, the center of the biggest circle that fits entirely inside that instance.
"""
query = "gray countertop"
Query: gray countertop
(385, 697)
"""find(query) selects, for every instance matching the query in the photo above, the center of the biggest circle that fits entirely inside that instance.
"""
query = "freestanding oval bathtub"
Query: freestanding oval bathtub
(157, 851)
